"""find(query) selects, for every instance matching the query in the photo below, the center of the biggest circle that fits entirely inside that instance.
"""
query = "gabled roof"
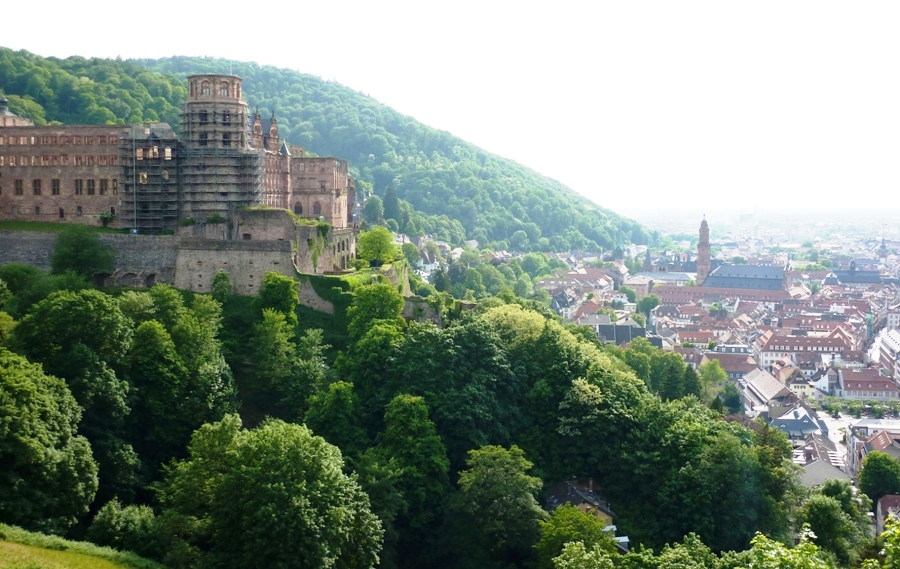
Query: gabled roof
(765, 386)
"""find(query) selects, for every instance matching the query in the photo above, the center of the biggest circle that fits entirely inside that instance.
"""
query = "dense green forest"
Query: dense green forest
(429, 180)
(222, 431)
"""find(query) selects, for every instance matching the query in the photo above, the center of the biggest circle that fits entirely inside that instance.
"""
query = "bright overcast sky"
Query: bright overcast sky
(634, 104)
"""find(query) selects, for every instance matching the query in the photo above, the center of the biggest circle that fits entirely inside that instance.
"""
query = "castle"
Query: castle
(150, 180)
(200, 185)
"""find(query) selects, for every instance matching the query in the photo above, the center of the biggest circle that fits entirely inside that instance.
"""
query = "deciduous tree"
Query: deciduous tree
(79, 249)
(49, 475)
(376, 246)
(275, 496)
(498, 494)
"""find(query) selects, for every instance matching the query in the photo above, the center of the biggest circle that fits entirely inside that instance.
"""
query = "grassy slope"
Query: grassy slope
(15, 225)
(20, 549)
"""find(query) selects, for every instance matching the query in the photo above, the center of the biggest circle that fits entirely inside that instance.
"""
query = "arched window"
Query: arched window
(298, 209)
(204, 118)
(317, 209)
(204, 89)
(223, 89)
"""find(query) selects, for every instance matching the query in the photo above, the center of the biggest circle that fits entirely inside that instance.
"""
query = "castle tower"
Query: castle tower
(648, 262)
(272, 142)
(215, 114)
(219, 171)
(703, 253)
(256, 140)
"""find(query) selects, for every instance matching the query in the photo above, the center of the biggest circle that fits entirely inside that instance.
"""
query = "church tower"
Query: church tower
(703, 253)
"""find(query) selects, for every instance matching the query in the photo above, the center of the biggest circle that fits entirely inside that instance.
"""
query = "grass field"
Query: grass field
(18, 556)
(14, 225)
(20, 549)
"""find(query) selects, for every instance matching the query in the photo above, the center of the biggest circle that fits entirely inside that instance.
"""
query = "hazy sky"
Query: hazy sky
(688, 105)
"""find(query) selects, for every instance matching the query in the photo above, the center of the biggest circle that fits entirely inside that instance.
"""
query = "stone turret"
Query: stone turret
(272, 142)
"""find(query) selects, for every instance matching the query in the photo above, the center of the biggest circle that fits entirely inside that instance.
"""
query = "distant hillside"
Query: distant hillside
(446, 185)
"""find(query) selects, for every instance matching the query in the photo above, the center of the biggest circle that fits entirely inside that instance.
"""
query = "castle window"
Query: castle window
(62, 213)
(101, 140)
(154, 151)
(165, 174)
(20, 187)
(90, 186)
(78, 211)
(12, 160)
(223, 90)
(36, 187)
(226, 139)
(321, 185)
(138, 154)
(104, 186)
(142, 177)
(12, 210)
(317, 209)
(2, 160)
(204, 118)
(112, 210)
(226, 117)
(204, 139)
(1, 140)
(79, 187)
(204, 89)
(115, 187)
(298, 209)
(54, 186)
(90, 160)
(37, 210)
(167, 153)
(102, 160)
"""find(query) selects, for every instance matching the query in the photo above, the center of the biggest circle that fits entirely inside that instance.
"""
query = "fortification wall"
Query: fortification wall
(141, 260)
(263, 225)
(246, 262)
(317, 254)
(30, 247)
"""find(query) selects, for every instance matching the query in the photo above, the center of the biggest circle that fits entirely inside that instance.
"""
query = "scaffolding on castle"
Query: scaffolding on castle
(219, 171)
(148, 157)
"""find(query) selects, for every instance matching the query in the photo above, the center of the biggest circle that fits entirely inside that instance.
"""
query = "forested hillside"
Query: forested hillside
(445, 185)
(215, 430)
